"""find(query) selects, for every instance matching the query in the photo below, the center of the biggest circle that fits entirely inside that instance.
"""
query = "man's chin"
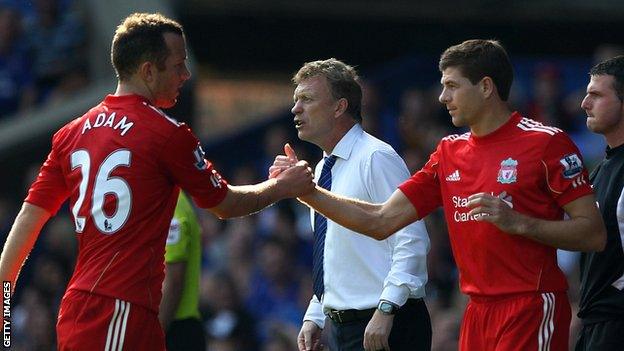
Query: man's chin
(301, 135)
(592, 126)
(458, 122)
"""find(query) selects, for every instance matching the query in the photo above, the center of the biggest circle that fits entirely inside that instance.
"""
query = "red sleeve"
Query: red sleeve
(423, 188)
(49, 190)
(184, 160)
(566, 174)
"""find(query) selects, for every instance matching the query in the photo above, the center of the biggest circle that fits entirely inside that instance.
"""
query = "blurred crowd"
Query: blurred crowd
(42, 53)
(256, 271)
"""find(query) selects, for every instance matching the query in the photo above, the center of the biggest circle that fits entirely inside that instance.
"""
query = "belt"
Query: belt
(346, 316)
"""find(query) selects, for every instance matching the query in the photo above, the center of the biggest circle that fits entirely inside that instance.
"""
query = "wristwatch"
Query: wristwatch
(387, 307)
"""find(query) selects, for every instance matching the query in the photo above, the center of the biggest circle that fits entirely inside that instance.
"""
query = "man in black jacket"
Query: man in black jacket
(602, 273)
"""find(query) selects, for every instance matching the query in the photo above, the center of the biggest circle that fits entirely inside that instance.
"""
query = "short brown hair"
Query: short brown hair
(342, 80)
(139, 38)
(478, 58)
(612, 67)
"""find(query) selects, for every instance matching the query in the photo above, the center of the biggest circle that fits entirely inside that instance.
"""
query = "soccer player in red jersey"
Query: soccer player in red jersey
(121, 165)
(504, 187)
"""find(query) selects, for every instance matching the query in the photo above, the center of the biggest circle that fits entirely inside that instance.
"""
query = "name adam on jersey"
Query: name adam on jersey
(102, 121)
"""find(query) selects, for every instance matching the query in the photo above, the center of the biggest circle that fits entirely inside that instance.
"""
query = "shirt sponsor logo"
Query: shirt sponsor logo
(508, 172)
(453, 177)
(572, 166)
(461, 207)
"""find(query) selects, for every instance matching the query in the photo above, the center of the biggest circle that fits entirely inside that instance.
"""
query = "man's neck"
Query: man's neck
(132, 88)
(339, 131)
(493, 118)
(614, 139)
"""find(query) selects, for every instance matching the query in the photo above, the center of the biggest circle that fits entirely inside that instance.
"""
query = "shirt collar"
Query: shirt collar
(614, 151)
(345, 145)
(501, 133)
(125, 99)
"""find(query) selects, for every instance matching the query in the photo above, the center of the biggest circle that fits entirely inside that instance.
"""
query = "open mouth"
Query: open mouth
(298, 124)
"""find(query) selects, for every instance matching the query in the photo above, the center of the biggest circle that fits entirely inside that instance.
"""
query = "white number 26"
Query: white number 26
(104, 184)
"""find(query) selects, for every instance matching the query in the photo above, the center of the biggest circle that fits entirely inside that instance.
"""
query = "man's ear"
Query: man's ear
(146, 71)
(341, 107)
(487, 87)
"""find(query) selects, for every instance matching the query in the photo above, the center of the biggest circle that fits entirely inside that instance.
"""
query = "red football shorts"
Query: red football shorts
(522, 322)
(94, 322)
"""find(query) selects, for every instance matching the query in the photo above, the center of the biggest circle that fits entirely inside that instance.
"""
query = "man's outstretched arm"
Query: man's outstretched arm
(21, 240)
(242, 200)
(377, 221)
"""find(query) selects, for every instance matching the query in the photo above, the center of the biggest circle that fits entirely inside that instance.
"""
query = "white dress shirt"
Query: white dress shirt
(358, 270)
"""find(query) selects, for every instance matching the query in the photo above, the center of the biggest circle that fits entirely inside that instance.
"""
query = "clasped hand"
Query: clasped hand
(297, 174)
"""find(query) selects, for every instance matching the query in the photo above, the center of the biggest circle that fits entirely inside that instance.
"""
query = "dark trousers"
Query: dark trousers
(602, 336)
(411, 330)
(186, 335)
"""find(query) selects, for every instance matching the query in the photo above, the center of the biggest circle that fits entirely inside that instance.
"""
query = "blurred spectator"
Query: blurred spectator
(212, 240)
(227, 323)
(280, 341)
(606, 51)
(547, 104)
(274, 294)
(446, 330)
(17, 90)
(273, 144)
(443, 274)
(57, 41)
(7, 213)
(33, 322)
(419, 132)
(372, 122)
(239, 239)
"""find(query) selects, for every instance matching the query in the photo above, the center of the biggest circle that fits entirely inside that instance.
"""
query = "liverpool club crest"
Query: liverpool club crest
(508, 171)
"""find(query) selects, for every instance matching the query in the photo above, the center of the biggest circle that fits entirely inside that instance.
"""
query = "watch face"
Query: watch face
(386, 307)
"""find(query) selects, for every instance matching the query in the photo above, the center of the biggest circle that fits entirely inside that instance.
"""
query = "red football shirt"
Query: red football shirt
(120, 165)
(536, 168)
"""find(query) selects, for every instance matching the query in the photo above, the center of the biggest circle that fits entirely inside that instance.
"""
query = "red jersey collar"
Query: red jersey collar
(500, 134)
(129, 99)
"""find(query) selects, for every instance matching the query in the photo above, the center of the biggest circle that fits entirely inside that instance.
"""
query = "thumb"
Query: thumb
(290, 152)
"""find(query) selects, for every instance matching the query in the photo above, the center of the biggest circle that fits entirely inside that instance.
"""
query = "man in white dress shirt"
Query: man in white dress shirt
(370, 290)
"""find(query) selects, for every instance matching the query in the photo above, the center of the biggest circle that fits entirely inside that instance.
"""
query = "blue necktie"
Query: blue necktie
(320, 227)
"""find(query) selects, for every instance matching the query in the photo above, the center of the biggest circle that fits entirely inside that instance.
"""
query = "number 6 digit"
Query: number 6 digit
(104, 184)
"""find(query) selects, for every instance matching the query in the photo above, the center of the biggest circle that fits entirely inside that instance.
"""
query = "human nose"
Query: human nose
(444, 96)
(186, 73)
(296, 109)
(585, 105)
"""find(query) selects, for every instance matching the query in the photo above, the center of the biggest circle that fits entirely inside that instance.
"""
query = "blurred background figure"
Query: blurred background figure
(179, 308)
(57, 41)
(17, 86)
(227, 322)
